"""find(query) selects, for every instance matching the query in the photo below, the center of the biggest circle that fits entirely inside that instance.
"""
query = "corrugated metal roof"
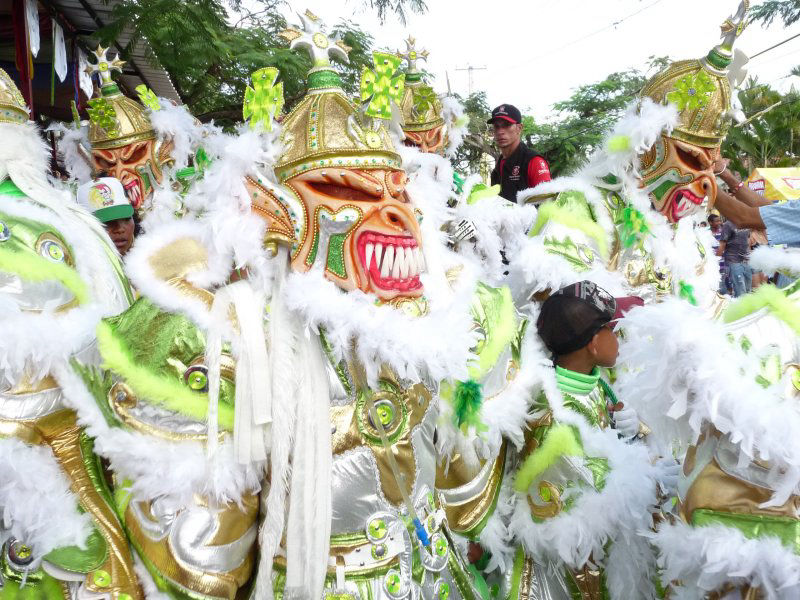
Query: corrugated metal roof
(87, 16)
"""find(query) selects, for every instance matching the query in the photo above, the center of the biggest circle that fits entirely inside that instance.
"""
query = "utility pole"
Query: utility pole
(470, 69)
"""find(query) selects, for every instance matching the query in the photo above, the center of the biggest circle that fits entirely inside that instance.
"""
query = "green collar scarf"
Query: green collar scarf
(578, 384)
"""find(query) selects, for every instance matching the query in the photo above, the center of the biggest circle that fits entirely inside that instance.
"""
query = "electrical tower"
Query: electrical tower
(470, 69)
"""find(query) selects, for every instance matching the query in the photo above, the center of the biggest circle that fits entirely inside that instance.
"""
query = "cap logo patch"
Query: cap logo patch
(100, 196)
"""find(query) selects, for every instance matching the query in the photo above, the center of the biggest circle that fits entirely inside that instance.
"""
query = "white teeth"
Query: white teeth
(409, 263)
(378, 255)
(399, 259)
(388, 260)
(368, 254)
(420, 259)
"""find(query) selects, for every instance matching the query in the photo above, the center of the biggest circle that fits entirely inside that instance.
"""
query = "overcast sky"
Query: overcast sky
(537, 51)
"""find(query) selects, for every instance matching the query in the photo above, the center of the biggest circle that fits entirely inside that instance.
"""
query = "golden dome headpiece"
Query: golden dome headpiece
(421, 107)
(326, 129)
(115, 119)
(12, 105)
(702, 89)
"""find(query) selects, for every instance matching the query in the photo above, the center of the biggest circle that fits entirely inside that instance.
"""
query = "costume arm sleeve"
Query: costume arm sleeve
(538, 171)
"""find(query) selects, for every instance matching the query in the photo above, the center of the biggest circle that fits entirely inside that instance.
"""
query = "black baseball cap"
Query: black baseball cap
(506, 112)
(571, 317)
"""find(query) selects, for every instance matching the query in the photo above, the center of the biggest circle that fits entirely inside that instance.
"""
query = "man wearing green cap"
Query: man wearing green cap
(106, 199)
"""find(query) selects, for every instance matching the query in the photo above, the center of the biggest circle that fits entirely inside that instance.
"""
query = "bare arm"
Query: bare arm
(738, 212)
(743, 193)
(721, 248)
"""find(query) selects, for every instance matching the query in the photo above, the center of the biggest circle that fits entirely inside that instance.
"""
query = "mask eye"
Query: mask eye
(690, 159)
(138, 154)
(196, 377)
(102, 163)
(341, 192)
(52, 249)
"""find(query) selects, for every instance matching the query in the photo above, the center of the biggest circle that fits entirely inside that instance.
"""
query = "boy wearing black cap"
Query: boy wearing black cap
(577, 326)
(518, 167)
(568, 495)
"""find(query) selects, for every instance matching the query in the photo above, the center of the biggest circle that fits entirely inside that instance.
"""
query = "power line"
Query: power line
(585, 37)
(775, 46)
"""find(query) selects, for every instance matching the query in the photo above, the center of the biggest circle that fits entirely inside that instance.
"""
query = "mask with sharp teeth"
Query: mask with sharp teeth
(677, 171)
(423, 123)
(124, 143)
(342, 206)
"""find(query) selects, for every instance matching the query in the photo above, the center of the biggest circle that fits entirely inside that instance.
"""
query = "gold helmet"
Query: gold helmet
(115, 119)
(701, 89)
(12, 105)
(421, 107)
(326, 129)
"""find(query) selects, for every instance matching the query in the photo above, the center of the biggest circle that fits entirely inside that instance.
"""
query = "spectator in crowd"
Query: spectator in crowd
(715, 224)
(518, 167)
(749, 210)
(734, 247)
(106, 199)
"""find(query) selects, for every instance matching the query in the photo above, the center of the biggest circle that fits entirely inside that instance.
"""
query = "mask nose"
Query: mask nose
(398, 218)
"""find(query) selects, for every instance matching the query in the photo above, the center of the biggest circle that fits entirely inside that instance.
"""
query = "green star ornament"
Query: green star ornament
(383, 85)
(264, 101)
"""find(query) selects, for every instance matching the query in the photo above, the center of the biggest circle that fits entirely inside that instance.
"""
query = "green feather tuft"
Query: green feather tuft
(619, 143)
(467, 400)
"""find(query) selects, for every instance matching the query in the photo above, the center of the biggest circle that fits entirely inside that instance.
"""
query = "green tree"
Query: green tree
(476, 153)
(766, 12)
(769, 138)
(585, 117)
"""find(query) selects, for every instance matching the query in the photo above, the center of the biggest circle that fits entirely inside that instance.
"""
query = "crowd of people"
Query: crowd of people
(305, 359)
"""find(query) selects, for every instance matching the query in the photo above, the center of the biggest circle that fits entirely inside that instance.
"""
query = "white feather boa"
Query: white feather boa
(175, 123)
(704, 559)
(436, 346)
(769, 260)
(36, 503)
(685, 375)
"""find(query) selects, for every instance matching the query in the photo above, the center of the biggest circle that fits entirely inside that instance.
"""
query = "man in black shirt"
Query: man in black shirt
(734, 245)
(518, 167)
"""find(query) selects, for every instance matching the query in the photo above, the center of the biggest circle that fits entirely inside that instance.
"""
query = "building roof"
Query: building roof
(87, 16)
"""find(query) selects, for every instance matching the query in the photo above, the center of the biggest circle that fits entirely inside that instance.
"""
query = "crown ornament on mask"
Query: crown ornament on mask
(326, 129)
(115, 119)
(264, 100)
(420, 106)
(702, 89)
